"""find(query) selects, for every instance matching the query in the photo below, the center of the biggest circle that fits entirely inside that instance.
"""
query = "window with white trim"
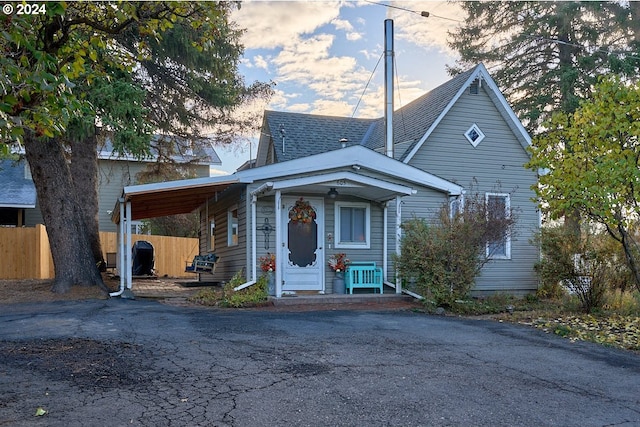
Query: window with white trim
(352, 225)
(499, 206)
(474, 135)
(232, 220)
(456, 206)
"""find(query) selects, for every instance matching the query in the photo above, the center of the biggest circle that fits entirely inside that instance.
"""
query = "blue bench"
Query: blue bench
(363, 275)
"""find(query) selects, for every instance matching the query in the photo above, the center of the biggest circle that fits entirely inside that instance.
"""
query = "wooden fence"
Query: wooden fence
(25, 253)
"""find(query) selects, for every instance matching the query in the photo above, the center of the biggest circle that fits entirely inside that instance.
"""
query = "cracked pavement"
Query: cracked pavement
(141, 363)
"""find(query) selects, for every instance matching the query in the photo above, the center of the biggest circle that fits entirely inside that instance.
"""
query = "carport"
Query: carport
(156, 200)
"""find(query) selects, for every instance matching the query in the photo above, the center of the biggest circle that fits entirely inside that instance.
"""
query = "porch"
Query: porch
(178, 291)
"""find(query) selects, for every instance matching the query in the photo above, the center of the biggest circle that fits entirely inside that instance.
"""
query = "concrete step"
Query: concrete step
(341, 299)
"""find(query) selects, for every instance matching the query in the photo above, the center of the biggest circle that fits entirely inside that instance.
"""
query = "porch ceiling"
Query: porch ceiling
(154, 203)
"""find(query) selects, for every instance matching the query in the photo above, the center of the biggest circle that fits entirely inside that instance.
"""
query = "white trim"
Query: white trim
(352, 156)
(230, 226)
(279, 244)
(367, 225)
(482, 73)
(398, 240)
(348, 176)
(507, 208)
(474, 127)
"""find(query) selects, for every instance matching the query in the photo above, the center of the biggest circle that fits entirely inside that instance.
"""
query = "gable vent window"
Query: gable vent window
(474, 135)
(473, 88)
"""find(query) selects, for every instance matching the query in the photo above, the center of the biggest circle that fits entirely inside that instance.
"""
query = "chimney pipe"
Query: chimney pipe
(388, 86)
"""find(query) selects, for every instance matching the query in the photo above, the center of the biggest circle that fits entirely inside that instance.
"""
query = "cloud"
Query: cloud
(276, 24)
(261, 62)
(429, 32)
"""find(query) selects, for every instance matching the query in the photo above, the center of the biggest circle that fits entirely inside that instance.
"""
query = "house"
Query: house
(18, 203)
(18, 193)
(323, 185)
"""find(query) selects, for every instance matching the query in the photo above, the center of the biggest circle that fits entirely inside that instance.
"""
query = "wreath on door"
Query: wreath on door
(302, 212)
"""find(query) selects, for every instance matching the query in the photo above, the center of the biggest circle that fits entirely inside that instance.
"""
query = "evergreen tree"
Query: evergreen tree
(546, 56)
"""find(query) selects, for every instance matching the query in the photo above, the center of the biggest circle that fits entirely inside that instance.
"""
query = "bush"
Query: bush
(441, 259)
(587, 265)
(251, 296)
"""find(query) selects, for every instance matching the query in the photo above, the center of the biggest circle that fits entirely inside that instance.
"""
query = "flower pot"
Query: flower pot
(271, 283)
(338, 283)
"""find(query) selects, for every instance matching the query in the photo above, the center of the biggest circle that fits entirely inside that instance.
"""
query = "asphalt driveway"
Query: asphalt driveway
(142, 363)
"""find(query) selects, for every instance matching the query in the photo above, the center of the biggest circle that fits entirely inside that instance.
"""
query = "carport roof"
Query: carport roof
(171, 198)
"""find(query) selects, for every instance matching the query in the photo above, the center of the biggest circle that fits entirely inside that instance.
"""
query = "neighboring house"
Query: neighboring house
(323, 185)
(18, 194)
(18, 205)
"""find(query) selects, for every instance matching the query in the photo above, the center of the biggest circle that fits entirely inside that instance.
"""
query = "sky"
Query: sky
(322, 56)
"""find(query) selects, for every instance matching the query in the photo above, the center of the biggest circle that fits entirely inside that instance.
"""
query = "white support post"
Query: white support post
(121, 244)
(398, 224)
(279, 244)
(128, 263)
(254, 238)
(385, 241)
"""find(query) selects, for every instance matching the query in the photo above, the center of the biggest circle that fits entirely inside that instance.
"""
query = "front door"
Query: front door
(302, 252)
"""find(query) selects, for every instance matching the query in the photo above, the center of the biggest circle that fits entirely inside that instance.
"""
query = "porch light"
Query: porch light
(333, 193)
(343, 142)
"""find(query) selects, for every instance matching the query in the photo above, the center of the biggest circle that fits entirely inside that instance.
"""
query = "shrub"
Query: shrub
(249, 296)
(441, 259)
(587, 265)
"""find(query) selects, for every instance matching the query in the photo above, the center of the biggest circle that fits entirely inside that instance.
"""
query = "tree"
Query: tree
(46, 56)
(591, 160)
(546, 56)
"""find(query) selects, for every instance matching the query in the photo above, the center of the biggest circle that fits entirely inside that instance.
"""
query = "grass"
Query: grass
(616, 324)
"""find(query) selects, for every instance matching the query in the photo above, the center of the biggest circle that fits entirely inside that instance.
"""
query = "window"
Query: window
(474, 135)
(498, 206)
(456, 206)
(352, 225)
(232, 216)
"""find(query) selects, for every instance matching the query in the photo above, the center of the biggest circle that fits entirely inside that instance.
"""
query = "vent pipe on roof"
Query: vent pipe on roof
(388, 86)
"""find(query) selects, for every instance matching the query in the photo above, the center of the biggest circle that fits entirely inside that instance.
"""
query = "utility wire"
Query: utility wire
(421, 13)
(367, 85)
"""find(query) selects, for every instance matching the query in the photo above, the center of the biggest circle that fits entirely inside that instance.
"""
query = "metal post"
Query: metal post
(388, 85)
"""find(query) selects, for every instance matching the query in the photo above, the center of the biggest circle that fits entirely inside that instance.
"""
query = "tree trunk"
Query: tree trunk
(70, 246)
(84, 173)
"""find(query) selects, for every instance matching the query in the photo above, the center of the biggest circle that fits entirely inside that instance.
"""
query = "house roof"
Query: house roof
(18, 191)
(202, 153)
(364, 172)
(306, 134)
(292, 132)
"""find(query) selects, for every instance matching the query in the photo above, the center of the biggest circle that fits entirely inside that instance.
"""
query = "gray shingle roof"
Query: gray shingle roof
(308, 134)
(16, 190)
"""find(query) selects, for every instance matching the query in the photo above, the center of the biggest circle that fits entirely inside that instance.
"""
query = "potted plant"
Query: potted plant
(268, 265)
(338, 263)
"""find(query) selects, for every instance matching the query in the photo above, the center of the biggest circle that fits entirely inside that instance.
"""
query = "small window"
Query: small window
(352, 225)
(498, 205)
(474, 135)
(232, 217)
